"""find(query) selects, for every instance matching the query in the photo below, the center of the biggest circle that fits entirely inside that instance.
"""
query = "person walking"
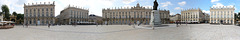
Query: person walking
(23, 25)
(96, 24)
(138, 23)
(49, 25)
(177, 23)
(27, 25)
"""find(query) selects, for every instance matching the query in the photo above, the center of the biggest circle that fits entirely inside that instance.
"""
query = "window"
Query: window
(30, 13)
(51, 9)
(42, 13)
(46, 9)
(42, 9)
(38, 12)
(47, 14)
(26, 10)
(52, 14)
(134, 14)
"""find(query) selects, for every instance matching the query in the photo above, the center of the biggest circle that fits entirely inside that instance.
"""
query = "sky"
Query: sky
(96, 6)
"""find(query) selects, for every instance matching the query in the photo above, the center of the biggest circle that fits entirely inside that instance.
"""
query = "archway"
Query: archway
(13, 20)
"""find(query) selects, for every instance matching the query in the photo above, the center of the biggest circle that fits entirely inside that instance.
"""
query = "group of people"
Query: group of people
(179, 22)
(138, 23)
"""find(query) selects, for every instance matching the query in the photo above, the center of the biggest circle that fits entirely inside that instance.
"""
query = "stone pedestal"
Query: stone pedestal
(155, 20)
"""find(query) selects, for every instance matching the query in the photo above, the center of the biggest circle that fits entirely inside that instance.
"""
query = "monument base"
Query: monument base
(155, 20)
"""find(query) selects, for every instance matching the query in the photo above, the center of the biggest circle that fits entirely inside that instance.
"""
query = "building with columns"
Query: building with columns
(222, 13)
(39, 13)
(192, 15)
(128, 15)
(73, 14)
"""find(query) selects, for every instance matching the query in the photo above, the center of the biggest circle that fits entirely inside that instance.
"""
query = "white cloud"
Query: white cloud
(128, 1)
(172, 13)
(178, 8)
(218, 4)
(165, 4)
(182, 3)
(206, 11)
(214, 1)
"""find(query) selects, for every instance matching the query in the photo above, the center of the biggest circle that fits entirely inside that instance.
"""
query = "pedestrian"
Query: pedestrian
(180, 22)
(177, 23)
(27, 25)
(23, 25)
(75, 24)
(96, 24)
(49, 25)
(138, 23)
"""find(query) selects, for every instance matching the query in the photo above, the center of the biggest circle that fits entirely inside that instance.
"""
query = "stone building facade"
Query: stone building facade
(132, 15)
(222, 13)
(39, 13)
(73, 15)
(192, 15)
(175, 18)
(95, 18)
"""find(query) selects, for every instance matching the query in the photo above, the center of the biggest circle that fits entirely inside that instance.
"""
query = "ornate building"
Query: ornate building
(73, 15)
(175, 18)
(192, 15)
(222, 13)
(95, 18)
(40, 14)
(132, 15)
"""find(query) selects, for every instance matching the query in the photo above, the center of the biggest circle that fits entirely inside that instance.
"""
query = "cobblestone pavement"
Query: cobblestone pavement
(122, 32)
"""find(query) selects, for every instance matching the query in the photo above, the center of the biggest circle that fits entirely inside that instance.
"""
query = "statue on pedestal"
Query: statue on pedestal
(155, 20)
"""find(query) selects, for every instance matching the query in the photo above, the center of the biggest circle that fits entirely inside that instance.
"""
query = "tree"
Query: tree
(238, 16)
(5, 11)
(0, 13)
(19, 16)
(14, 13)
(235, 16)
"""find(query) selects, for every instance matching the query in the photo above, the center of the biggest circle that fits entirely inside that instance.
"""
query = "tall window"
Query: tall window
(47, 12)
(52, 14)
(134, 14)
(30, 12)
(46, 9)
(43, 12)
(51, 9)
(34, 10)
(26, 12)
(38, 12)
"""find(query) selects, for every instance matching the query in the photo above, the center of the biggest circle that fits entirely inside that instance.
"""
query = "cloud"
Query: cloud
(14, 5)
(128, 1)
(94, 6)
(206, 11)
(178, 8)
(182, 3)
(218, 4)
(214, 1)
(165, 4)
(172, 13)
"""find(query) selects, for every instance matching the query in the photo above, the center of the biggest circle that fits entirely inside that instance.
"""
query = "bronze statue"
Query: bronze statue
(155, 5)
